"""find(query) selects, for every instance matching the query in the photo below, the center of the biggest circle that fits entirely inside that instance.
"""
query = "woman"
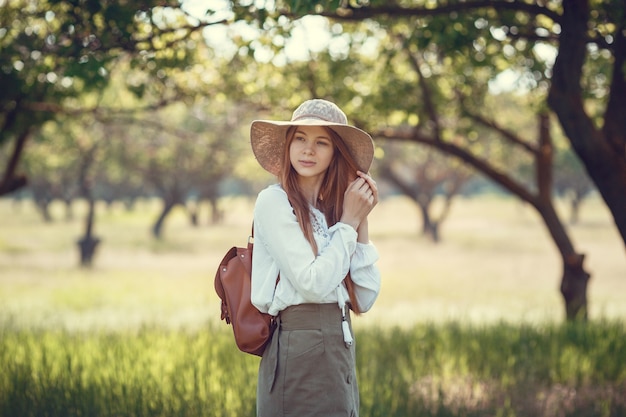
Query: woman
(311, 232)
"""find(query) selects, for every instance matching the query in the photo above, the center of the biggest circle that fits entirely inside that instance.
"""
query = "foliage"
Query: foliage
(436, 66)
(442, 58)
(180, 151)
(53, 50)
(54, 54)
(427, 370)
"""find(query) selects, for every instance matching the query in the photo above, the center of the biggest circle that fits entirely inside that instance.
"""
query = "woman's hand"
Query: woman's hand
(359, 199)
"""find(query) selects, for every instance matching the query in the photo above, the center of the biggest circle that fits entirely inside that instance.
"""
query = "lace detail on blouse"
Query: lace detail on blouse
(318, 221)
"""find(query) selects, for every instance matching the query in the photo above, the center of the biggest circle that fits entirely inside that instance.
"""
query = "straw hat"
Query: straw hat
(268, 137)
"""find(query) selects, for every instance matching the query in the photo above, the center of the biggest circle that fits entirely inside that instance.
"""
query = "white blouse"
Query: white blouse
(280, 247)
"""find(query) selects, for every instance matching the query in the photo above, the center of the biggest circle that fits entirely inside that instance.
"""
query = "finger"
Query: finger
(367, 178)
(369, 189)
(365, 187)
(374, 190)
(358, 184)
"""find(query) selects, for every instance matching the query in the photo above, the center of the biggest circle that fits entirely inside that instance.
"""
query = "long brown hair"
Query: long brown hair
(340, 172)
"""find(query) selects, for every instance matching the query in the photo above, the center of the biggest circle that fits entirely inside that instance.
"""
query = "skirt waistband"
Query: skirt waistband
(311, 317)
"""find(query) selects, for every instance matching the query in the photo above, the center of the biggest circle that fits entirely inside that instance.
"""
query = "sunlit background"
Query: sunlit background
(126, 173)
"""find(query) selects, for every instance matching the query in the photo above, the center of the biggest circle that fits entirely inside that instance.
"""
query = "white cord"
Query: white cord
(345, 326)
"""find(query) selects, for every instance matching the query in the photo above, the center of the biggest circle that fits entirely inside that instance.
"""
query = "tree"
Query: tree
(600, 142)
(89, 155)
(423, 178)
(586, 86)
(428, 77)
(52, 167)
(184, 152)
(52, 52)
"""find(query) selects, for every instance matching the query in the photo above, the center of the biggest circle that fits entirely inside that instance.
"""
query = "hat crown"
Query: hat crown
(268, 137)
(320, 110)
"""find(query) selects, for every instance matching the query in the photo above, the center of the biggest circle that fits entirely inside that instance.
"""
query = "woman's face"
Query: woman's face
(311, 151)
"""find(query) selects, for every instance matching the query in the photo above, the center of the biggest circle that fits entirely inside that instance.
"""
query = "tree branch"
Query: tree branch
(50, 107)
(615, 122)
(10, 181)
(507, 134)
(414, 135)
(361, 13)
(405, 187)
(190, 29)
(427, 94)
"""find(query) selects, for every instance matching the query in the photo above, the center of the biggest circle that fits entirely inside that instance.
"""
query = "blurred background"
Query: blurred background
(126, 171)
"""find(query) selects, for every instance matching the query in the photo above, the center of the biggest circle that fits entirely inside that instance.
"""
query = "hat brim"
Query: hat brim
(267, 138)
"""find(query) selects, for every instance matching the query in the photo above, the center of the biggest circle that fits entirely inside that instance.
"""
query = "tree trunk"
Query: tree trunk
(430, 227)
(10, 180)
(87, 247)
(434, 231)
(216, 213)
(574, 288)
(44, 208)
(168, 205)
(193, 217)
(69, 209)
(574, 279)
(575, 209)
(603, 152)
(426, 223)
(129, 203)
(88, 243)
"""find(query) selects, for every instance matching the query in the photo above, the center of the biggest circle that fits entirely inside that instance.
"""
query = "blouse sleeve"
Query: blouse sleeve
(276, 227)
(365, 275)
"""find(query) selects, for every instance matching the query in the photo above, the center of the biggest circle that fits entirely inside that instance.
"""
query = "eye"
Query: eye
(323, 143)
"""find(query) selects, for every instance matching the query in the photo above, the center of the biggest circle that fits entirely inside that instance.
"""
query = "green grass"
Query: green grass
(428, 370)
(470, 327)
(148, 372)
(496, 369)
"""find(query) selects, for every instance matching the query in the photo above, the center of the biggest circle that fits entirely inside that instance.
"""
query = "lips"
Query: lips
(307, 163)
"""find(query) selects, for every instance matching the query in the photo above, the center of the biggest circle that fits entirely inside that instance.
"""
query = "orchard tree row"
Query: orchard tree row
(494, 85)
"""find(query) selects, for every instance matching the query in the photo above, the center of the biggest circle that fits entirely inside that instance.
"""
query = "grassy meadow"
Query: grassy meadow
(471, 326)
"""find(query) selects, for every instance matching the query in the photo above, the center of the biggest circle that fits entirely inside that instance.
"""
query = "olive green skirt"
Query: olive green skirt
(307, 369)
